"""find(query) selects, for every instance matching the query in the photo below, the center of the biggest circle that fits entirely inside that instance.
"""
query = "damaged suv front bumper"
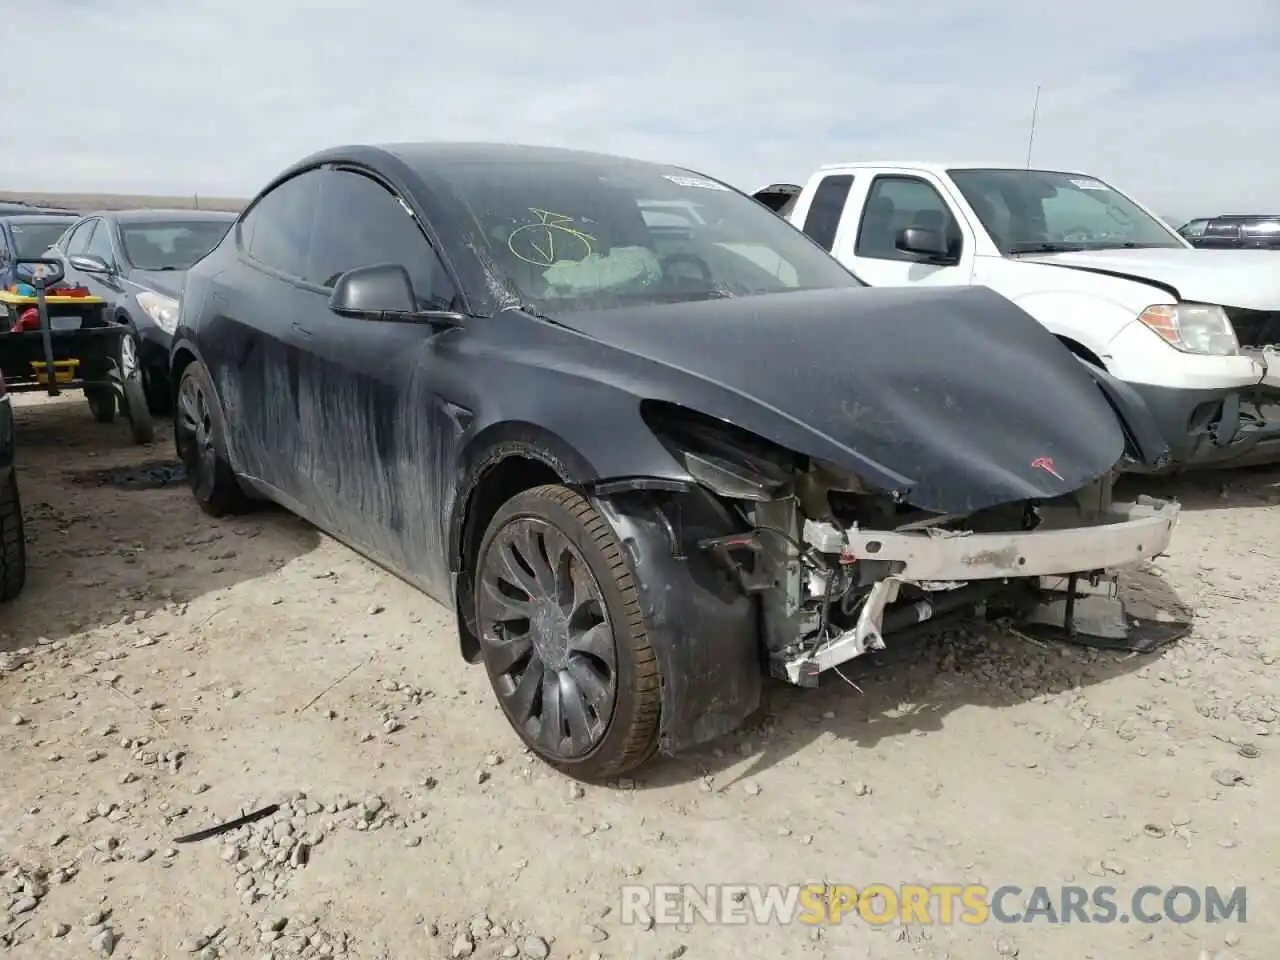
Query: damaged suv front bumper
(940, 562)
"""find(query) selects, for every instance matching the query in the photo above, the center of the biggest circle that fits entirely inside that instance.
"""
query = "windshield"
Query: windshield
(33, 239)
(1026, 211)
(170, 244)
(596, 234)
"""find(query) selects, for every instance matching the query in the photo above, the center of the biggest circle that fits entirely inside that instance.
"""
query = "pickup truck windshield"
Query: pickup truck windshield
(596, 234)
(1029, 211)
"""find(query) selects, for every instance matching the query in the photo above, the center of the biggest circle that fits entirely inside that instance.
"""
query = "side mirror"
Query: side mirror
(923, 241)
(385, 292)
(88, 263)
(369, 293)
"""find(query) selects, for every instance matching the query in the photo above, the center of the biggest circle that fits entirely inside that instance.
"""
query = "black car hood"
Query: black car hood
(954, 397)
(166, 282)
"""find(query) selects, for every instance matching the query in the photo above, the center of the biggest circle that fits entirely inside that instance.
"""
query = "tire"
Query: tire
(136, 409)
(102, 403)
(159, 397)
(13, 543)
(531, 647)
(200, 436)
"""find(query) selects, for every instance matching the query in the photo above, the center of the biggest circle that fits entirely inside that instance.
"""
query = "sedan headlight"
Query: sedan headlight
(162, 310)
(1193, 328)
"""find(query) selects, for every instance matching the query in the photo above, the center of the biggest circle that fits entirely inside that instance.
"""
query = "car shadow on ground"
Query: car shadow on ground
(1209, 489)
(911, 687)
(113, 534)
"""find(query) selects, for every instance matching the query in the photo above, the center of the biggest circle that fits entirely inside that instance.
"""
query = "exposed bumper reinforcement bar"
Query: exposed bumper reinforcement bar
(962, 569)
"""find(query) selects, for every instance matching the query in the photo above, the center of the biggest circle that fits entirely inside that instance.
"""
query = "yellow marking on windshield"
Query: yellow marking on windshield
(536, 243)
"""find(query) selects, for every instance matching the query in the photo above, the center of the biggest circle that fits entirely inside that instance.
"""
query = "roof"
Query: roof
(415, 154)
(36, 217)
(939, 166)
(154, 215)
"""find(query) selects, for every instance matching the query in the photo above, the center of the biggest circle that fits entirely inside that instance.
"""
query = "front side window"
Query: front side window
(100, 243)
(276, 231)
(170, 244)
(78, 242)
(598, 233)
(360, 223)
(1026, 211)
(897, 202)
(1193, 229)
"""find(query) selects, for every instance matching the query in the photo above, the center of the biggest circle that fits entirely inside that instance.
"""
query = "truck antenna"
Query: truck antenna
(1031, 136)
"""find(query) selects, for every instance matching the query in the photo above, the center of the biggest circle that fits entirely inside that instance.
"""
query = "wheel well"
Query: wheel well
(497, 484)
(1081, 351)
(181, 360)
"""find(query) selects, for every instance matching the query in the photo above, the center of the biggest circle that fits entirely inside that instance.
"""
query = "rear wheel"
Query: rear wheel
(562, 635)
(13, 544)
(102, 403)
(201, 441)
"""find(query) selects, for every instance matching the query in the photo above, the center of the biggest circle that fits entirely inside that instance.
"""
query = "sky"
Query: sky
(1176, 102)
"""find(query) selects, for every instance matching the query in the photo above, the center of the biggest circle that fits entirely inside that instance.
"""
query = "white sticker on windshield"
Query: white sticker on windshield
(694, 182)
(1090, 184)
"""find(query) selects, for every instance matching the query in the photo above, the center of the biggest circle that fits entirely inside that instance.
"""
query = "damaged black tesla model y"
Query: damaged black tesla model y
(649, 440)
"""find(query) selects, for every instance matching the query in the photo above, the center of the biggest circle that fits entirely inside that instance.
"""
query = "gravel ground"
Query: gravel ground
(164, 672)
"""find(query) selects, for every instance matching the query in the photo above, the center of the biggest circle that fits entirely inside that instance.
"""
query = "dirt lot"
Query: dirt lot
(164, 672)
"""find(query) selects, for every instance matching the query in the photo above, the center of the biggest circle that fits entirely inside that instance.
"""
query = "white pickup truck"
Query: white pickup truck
(1193, 332)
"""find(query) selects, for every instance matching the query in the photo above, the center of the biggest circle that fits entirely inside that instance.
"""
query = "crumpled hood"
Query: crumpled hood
(1231, 278)
(169, 283)
(954, 396)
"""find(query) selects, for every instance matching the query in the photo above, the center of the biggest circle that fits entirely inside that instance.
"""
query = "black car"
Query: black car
(27, 234)
(646, 456)
(1234, 232)
(13, 543)
(136, 260)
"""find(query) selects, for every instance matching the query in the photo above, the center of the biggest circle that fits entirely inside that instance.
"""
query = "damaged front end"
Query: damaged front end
(838, 565)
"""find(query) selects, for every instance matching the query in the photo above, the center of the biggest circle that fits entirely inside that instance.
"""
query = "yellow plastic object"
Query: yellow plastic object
(64, 371)
(8, 296)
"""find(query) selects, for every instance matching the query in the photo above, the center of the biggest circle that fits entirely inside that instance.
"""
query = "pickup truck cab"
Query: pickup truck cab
(1193, 332)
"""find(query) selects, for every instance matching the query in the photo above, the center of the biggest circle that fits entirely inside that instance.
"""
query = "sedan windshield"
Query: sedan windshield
(1028, 211)
(33, 238)
(595, 234)
(170, 244)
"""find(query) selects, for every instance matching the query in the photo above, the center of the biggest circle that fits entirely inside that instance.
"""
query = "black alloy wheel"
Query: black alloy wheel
(562, 636)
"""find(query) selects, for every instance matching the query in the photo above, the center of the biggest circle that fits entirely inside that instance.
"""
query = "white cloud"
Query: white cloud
(1174, 101)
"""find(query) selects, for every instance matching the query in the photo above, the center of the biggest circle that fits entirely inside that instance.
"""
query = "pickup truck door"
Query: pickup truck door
(880, 205)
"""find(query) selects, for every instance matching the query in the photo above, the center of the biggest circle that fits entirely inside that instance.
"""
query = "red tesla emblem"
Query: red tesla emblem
(1046, 464)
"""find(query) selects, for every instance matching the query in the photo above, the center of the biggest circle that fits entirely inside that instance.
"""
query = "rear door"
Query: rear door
(889, 202)
(250, 342)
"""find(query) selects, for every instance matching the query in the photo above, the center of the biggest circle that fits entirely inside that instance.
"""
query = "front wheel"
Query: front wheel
(563, 638)
(135, 404)
(201, 441)
(13, 543)
(102, 403)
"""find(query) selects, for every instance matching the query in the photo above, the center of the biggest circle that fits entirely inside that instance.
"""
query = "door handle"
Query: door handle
(301, 329)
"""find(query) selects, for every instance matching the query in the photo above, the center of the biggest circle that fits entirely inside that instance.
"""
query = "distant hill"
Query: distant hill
(87, 202)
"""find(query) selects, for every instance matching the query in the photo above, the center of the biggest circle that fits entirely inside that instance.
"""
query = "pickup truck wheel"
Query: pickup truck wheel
(13, 543)
(563, 638)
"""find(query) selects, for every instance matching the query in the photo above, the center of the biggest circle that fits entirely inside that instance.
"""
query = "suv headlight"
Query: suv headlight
(1193, 328)
(162, 310)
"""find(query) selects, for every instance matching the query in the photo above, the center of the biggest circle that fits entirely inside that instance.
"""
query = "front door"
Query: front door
(895, 201)
(367, 388)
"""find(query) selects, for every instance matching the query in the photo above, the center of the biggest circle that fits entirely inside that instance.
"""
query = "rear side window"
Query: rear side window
(823, 218)
(1223, 228)
(360, 223)
(276, 232)
(1262, 228)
